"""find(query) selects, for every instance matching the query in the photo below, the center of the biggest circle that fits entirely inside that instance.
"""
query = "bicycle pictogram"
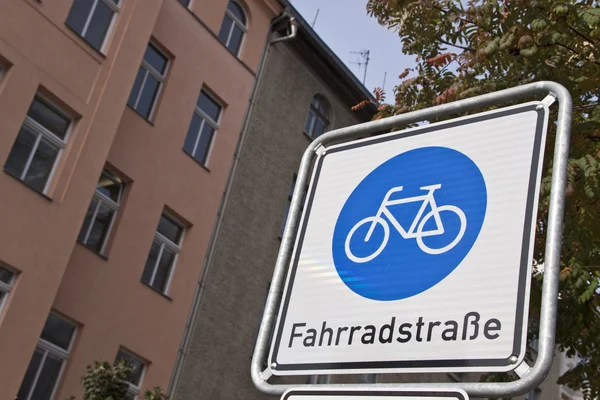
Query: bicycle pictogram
(417, 229)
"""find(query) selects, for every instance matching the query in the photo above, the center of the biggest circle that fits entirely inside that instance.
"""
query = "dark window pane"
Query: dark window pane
(87, 220)
(185, 2)
(6, 276)
(320, 127)
(100, 228)
(49, 118)
(58, 332)
(150, 263)
(78, 14)
(135, 376)
(137, 85)
(41, 165)
(225, 28)
(235, 41)
(236, 10)
(209, 106)
(149, 92)
(32, 369)
(20, 152)
(163, 271)
(47, 379)
(204, 143)
(169, 229)
(110, 186)
(99, 25)
(155, 59)
(308, 126)
(192, 135)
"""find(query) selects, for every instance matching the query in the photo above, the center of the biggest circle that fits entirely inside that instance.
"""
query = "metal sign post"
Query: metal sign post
(354, 248)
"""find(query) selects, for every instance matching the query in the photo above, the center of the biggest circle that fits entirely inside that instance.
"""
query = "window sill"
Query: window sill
(94, 52)
(197, 162)
(140, 115)
(157, 291)
(45, 196)
(309, 137)
(102, 256)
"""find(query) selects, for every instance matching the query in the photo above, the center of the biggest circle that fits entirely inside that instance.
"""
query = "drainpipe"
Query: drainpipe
(193, 314)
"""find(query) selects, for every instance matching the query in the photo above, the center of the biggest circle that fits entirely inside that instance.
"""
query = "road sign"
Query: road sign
(414, 250)
(375, 394)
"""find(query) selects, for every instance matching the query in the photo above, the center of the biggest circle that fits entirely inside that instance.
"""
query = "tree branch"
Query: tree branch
(581, 34)
(586, 106)
(462, 19)
(455, 45)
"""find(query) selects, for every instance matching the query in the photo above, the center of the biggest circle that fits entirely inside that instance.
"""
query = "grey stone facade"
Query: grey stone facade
(217, 360)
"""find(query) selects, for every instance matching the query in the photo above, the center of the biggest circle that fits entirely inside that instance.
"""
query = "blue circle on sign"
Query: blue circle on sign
(409, 223)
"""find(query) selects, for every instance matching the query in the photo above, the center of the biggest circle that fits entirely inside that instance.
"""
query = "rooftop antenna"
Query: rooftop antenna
(384, 78)
(364, 57)
(315, 20)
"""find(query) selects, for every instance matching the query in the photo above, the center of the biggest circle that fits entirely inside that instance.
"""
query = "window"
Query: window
(102, 212)
(148, 82)
(201, 132)
(534, 394)
(233, 28)
(48, 360)
(163, 254)
(7, 278)
(92, 19)
(317, 120)
(134, 380)
(37, 148)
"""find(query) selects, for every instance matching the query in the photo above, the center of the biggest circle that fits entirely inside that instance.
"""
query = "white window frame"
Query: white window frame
(206, 119)
(239, 24)
(167, 243)
(132, 389)
(58, 352)
(5, 288)
(160, 77)
(54, 140)
(114, 206)
(114, 5)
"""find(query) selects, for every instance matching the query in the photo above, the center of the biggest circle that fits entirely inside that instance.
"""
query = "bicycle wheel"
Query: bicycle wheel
(386, 236)
(461, 232)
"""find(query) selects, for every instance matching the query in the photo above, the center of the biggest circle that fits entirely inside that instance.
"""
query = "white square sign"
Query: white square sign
(414, 250)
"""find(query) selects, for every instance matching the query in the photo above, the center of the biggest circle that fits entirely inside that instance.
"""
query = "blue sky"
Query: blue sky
(345, 26)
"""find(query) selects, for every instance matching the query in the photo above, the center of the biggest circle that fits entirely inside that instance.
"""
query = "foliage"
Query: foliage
(464, 48)
(155, 394)
(104, 381)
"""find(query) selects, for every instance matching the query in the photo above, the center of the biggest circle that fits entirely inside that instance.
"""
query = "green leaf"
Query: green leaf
(539, 24)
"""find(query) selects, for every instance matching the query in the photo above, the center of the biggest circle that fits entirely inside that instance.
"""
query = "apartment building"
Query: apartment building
(119, 122)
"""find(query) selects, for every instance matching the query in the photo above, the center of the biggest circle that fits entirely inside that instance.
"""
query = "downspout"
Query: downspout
(193, 314)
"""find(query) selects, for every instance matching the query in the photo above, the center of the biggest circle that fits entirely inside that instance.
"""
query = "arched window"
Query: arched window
(234, 27)
(317, 120)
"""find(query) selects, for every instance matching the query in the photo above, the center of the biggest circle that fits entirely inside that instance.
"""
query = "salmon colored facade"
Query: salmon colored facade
(101, 293)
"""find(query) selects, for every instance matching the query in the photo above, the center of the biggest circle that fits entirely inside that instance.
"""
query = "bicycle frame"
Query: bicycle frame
(410, 234)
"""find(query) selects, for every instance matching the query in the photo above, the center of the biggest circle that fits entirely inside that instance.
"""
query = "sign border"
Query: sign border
(441, 393)
(466, 365)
